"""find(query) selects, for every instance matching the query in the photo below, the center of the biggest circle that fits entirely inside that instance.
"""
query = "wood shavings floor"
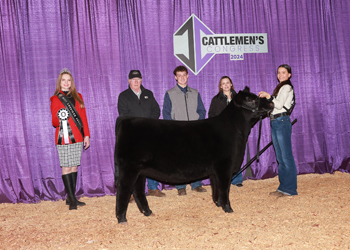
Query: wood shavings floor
(318, 218)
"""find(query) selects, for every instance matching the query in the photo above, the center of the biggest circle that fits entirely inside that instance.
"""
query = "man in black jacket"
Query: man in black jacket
(137, 101)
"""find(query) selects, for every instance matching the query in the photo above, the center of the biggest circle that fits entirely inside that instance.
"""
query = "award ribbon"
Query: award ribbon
(73, 113)
(65, 130)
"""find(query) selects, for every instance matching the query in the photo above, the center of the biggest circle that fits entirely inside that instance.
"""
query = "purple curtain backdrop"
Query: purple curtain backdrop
(101, 41)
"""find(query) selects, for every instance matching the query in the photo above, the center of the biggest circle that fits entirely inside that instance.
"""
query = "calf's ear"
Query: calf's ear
(238, 99)
(246, 89)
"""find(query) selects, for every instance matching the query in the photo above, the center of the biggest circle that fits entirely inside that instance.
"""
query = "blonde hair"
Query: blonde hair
(72, 91)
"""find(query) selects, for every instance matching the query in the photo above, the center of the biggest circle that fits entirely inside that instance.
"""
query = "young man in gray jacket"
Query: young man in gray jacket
(183, 103)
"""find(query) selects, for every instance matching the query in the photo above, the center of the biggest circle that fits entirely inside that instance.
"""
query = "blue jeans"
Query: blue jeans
(281, 131)
(152, 184)
(237, 180)
(193, 185)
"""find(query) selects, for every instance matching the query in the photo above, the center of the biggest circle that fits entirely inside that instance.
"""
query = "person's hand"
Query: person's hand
(263, 94)
(86, 142)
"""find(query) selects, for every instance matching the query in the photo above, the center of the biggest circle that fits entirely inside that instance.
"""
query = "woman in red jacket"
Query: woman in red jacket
(72, 131)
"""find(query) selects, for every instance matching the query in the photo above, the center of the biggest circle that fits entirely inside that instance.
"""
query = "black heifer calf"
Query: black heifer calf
(180, 152)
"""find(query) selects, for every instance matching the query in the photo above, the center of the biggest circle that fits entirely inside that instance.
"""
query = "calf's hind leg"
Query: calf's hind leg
(140, 197)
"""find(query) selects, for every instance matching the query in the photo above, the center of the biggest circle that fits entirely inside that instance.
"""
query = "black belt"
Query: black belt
(273, 117)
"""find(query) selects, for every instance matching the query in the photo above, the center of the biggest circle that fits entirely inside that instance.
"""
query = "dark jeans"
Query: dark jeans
(281, 130)
(193, 185)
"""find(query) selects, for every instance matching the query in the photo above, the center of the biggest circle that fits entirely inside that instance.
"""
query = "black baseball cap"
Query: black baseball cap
(135, 73)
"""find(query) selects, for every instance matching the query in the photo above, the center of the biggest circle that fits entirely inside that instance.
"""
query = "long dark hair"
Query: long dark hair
(281, 84)
(232, 88)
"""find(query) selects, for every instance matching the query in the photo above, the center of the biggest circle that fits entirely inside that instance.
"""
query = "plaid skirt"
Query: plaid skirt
(70, 154)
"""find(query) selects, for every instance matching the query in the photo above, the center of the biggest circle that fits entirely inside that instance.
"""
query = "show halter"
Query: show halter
(260, 122)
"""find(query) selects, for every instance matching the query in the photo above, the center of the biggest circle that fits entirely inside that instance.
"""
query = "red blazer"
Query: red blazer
(56, 105)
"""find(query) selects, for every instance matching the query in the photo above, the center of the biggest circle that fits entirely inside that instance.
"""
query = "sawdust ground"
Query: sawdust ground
(318, 218)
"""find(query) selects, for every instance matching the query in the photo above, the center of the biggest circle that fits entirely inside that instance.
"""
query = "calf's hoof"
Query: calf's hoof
(228, 209)
(147, 213)
(122, 221)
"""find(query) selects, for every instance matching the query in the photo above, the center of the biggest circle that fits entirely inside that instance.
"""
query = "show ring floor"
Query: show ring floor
(318, 218)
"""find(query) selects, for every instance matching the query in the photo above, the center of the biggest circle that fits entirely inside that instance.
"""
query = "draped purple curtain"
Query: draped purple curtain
(101, 41)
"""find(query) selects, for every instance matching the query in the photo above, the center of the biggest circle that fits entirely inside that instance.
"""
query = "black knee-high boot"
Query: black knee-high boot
(74, 177)
(70, 194)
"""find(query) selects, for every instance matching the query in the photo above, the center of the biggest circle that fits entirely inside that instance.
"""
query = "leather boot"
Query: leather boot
(68, 186)
(73, 177)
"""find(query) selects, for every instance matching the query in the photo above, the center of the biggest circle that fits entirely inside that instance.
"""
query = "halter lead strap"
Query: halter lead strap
(257, 156)
(260, 122)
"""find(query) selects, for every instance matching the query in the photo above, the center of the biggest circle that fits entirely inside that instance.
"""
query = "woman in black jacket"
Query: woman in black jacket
(223, 98)
(219, 103)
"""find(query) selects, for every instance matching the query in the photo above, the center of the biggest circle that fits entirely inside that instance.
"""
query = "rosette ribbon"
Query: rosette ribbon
(65, 131)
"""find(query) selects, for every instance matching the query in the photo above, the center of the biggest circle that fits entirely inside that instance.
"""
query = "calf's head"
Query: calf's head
(259, 107)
